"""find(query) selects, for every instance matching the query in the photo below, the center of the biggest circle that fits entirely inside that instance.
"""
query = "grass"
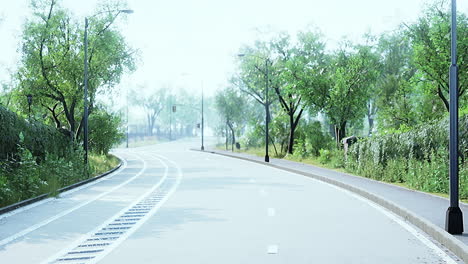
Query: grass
(102, 163)
(315, 162)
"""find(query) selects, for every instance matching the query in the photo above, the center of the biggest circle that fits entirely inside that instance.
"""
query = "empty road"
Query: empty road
(168, 204)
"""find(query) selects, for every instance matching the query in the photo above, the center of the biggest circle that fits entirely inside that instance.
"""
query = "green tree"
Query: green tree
(230, 104)
(152, 104)
(300, 69)
(430, 37)
(51, 68)
(354, 72)
(104, 131)
(394, 91)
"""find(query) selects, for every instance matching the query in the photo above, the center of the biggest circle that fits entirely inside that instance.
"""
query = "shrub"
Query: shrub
(104, 131)
(418, 157)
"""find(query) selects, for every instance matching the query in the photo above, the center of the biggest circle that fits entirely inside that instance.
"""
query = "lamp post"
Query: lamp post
(454, 216)
(202, 121)
(127, 114)
(85, 114)
(267, 104)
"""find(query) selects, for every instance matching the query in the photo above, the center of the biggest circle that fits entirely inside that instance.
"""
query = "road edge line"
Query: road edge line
(437, 233)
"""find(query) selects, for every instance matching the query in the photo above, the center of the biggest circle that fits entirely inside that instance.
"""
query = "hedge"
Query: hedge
(418, 158)
(38, 138)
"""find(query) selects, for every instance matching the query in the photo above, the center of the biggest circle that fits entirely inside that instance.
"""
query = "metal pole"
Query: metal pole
(127, 115)
(85, 123)
(202, 120)
(454, 216)
(170, 121)
(267, 119)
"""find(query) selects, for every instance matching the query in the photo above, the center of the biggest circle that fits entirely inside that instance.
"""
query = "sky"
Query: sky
(193, 43)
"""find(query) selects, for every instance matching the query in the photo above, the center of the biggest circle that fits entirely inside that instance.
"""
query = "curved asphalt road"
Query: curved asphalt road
(171, 205)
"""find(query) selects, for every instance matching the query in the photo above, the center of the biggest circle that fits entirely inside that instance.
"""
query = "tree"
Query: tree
(51, 67)
(431, 49)
(104, 130)
(230, 105)
(152, 104)
(394, 91)
(300, 70)
(354, 72)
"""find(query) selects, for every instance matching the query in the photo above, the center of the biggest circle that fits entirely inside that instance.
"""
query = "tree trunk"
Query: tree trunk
(340, 132)
(371, 124)
(227, 136)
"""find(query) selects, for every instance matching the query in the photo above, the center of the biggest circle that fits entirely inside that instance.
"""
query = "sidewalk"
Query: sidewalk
(426, 211)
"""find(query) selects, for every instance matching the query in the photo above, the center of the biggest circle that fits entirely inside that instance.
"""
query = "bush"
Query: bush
(39, 139)
(104, 131)
(325, 156)
(418, 158)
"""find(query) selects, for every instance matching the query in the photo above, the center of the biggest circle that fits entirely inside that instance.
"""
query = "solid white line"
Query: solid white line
(28, 207)
(64, 213)
(397, 219)
(145, 218)
(110, 220)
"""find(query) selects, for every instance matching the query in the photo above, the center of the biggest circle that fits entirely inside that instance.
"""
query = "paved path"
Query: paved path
(171, 205)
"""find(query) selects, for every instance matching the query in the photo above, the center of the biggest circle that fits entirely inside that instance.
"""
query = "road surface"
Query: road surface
(168, 204)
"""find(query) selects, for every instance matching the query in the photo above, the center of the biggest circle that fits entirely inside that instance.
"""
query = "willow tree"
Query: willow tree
(51, 67)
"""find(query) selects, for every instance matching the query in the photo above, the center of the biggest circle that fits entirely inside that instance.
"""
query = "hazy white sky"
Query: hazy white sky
(185, 42)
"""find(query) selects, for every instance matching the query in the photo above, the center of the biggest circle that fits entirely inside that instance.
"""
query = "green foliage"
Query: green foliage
(51, 66)
(104, 131)
(354, 72)
(325, 156)
(39, 139)
(418, 157)
(430, 37)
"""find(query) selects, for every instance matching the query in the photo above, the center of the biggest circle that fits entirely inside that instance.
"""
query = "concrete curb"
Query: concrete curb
(17, 205)
(439, 234)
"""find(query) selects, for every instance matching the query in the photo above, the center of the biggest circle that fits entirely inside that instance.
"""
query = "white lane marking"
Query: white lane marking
(145, 218)
(82, 238)
(397, 219)
(28, 207)
(64, 213)
(271, 212)
(272, 249)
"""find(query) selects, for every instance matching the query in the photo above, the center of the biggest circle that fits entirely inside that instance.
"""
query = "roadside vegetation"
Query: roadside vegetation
(390, 92)
(41, 108)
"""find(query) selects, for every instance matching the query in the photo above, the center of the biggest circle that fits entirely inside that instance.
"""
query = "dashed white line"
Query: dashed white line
(272, 249)
(271, 212)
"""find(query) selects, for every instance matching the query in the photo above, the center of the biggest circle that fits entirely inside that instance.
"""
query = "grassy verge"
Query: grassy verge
(31, 179)
(100, 164)
(315, 161)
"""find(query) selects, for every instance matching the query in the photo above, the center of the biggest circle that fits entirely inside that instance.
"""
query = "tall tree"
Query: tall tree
(231, 104)
(353, 75)
(152, 104)
(393, 93)
(300, 69)
(431, 48)
(51, 67)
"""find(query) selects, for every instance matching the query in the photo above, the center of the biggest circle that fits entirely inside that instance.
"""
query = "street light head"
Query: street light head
(127, 11)
(241, 55)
